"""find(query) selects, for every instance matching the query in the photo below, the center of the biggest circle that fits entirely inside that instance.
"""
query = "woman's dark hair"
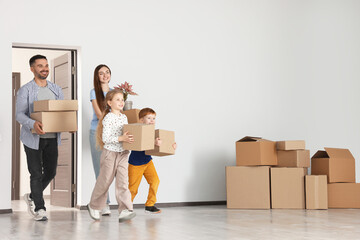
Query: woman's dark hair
(100, 99)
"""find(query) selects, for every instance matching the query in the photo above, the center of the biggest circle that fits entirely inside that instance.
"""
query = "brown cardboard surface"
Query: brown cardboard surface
(167, 140)
(255, 151)
(288, 187)
(55, 105)
(338, 164)
(248, 187)
(56, 121)
(132, 115)
(144, 136)
(293, 158)
(344, 195)
(290, 145)
(316, 192)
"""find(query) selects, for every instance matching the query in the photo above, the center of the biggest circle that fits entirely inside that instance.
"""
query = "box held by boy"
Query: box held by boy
(132, 115)
(55, 105)
(316, 192)
(56, 121)
(253, 151)
(338, 164)
(344, 195)
(167, 140)
(248, 187)
(287, 187)
(293, 158)
(290, 145)
(143, 134)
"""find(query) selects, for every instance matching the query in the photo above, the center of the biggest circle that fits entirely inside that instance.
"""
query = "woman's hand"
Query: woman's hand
(126, 138)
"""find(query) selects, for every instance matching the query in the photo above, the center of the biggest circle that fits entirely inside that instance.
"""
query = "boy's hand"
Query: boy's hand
(174, 146)
(38, 128)
(126, 138)
(158, 142)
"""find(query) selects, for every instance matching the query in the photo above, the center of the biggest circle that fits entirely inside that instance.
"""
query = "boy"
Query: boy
(141, 164)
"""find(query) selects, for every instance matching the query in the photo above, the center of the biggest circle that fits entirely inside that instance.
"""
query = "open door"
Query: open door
(15, 173)
(63, 188)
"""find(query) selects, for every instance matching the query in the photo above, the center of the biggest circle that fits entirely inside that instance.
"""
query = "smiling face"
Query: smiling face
(104, 75)
(40, 68)
(149, 119)
(117, 102)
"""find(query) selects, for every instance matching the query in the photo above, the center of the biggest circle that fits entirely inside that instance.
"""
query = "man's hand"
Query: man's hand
(38, 128)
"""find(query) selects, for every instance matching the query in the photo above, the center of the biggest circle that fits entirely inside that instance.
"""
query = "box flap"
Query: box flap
(249, 139)
(320, 154)
(339, 153)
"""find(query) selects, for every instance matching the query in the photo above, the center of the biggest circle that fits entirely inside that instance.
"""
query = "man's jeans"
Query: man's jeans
(42, 165)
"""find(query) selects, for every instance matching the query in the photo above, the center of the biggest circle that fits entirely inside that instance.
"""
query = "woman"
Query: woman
(102, 76)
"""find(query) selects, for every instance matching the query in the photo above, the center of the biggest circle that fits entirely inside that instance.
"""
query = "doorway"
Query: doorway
(63, 71)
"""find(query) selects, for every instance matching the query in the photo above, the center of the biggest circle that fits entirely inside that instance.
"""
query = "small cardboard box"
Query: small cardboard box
(55, 105)
(316, 192)
(253, 151)
(248, 187)
(344, 195)
(287, 187)
(56, 121)
(167, 140)
(132, 115)
(290, 145)
(144, 136)
(338, 164)
(293, 158)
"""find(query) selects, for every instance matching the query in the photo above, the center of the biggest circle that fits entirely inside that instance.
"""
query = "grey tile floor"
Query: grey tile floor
(204, 222)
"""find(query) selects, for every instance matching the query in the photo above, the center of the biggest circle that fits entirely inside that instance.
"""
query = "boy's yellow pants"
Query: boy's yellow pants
(149, 172)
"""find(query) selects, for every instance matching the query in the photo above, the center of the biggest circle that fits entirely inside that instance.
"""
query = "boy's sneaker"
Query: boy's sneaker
(152, 209)
(106, 211)
(94, 214)
(126, 215)
(40, 215)
(30, 204)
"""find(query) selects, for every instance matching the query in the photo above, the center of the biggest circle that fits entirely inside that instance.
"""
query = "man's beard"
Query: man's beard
(43, 77)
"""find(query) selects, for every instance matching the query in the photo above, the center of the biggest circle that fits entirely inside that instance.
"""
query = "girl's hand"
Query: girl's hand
(158, 142)
(126, 138)
(174, 146)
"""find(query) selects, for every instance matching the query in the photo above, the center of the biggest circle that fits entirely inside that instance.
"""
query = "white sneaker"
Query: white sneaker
(94, 214)
(40, 215)
(30, 204)
(126, 215)
(106, 211)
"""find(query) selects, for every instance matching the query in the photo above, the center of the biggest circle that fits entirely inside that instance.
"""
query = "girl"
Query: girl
(102, 77)
(114, 159)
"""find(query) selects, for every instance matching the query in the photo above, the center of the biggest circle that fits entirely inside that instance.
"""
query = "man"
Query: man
(41, 148)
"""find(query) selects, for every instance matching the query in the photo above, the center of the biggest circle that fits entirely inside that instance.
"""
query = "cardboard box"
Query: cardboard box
(253, 151)
(132, 115)
(56, 121)
(316, 192)
(55, 105)
(287, 187)
(248, 187)
(144, 136)
(338, 164)
(290, 145)
(293, 158)
(167, 140)
(344, 195)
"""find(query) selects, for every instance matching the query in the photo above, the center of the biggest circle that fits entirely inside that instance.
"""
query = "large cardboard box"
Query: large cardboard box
(316, 192)
(248, 187)
(290, 145)
(144, 136)
(293, 158)
(253, 151)
(344, 195)
(338, 164)
(55, 105)
(167, 140)
(56, 121)
(132, 115)
(288, 187)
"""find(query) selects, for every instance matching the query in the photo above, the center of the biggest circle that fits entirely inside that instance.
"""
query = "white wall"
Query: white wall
(20, 63)
(213, 70)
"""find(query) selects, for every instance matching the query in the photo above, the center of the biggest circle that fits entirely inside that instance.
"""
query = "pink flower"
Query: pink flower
(127, 89)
